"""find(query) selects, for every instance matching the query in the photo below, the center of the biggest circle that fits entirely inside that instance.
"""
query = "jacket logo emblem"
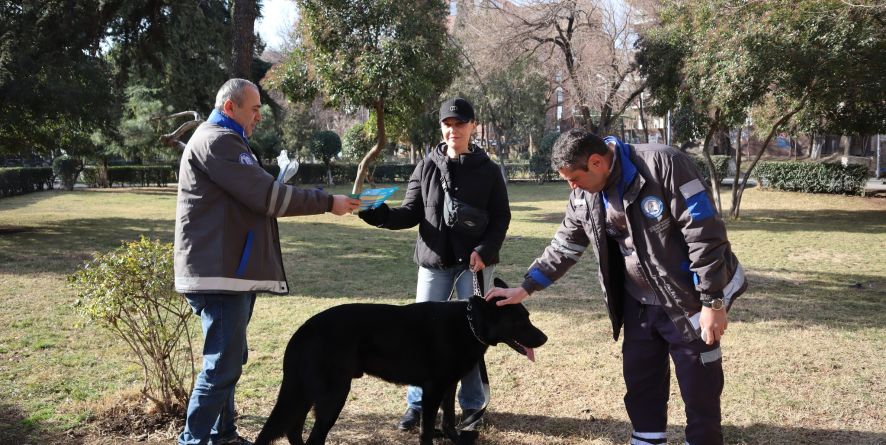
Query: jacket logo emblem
(652, 207)
(246, 159)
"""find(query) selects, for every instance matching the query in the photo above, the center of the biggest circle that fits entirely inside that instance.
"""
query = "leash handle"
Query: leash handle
(478, 283)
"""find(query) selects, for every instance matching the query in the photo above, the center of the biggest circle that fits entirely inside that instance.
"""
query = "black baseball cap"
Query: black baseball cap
(458, 108)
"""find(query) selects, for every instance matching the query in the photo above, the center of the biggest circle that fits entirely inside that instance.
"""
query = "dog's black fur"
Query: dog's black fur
(431, 345)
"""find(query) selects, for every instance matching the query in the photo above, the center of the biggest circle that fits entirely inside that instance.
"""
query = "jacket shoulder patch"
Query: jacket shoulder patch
(247, 159)
(697, 202)
(691, 188)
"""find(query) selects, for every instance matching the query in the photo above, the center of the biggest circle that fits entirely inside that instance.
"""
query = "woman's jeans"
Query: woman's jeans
(437, 285)
(211, 410)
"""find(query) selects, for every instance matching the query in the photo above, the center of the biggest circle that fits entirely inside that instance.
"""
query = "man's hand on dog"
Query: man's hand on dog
(513, 295)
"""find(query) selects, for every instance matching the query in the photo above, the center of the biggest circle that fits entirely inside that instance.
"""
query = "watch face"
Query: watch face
(717, 304)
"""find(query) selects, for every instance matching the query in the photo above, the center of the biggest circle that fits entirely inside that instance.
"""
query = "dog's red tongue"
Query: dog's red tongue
(530, 354)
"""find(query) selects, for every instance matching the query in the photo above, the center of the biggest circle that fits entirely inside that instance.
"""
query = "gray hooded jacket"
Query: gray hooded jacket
(226, 236)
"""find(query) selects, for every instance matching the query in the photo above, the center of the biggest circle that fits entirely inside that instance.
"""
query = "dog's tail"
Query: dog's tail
(287, 417)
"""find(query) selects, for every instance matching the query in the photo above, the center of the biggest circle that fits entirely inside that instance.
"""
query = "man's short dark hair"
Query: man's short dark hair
(573, 148)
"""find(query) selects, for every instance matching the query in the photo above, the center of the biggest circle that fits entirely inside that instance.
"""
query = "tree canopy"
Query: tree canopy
(388, 56)
(66, 67)
(815, 62)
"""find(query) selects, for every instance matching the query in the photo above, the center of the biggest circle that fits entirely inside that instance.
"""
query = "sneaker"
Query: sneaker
(239, 440)
(411, 420)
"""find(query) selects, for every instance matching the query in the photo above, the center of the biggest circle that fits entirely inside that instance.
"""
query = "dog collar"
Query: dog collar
(471, 325)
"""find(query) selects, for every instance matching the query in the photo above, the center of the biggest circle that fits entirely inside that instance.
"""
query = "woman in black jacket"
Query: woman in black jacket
(444, 253)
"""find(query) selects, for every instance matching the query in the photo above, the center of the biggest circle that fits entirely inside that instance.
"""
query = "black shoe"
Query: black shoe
(411, 420)
(476, 424)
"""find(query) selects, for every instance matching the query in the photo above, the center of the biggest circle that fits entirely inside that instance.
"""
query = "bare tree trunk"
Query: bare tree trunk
(643, 119)
(243, 12)
(736, 202)
(380, 142)
(737, 176)
(815, 150)
(706, 152)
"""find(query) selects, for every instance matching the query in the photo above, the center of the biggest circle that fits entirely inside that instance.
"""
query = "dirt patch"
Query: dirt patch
(130, 420)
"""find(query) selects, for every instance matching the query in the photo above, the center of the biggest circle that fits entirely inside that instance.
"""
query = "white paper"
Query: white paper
(288, 167)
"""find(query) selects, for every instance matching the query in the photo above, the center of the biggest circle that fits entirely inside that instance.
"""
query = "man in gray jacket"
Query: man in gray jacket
(666, 268)
(227, 248)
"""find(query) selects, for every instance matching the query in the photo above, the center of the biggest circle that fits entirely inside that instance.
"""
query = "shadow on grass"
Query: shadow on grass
(866, 221)
(844, 301)
(618, 431)
(862, 221)
(20, 201)
(327, 259)
(379, 430)
(145, 191)
(63, 246)
(15, 428)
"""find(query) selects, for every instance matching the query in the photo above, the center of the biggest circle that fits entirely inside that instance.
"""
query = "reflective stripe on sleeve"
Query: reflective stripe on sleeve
(734, 285)
(286, 198)
(570, 250)
(272, 203)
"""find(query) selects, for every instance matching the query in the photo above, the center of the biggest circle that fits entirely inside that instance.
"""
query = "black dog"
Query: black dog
(431, 345)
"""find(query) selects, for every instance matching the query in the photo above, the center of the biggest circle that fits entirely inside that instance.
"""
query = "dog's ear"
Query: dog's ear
(482, 303)
(476, 299)
(495, 300)
(498, 282)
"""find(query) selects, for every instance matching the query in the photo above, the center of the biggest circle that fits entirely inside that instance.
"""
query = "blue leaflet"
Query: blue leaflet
(373, 198)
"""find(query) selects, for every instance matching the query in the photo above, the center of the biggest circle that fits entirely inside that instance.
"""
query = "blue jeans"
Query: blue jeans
(437, 285)
(211, 411)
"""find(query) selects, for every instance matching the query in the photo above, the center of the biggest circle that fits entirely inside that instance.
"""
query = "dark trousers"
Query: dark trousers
(649, 337)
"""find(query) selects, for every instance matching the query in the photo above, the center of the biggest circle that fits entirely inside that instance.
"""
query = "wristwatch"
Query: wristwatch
(713, 303)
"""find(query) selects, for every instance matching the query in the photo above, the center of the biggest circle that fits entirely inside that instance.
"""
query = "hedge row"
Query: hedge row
(21, 180)
(798, 176)
(812, 177)
(131, 175)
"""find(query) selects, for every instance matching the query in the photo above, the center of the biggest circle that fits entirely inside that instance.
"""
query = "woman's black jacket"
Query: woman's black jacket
(476, 180)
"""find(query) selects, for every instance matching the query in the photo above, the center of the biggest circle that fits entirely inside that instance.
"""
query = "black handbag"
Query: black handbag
(462, 217)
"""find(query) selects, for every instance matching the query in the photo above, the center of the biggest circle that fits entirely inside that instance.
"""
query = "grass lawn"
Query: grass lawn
(803, 355)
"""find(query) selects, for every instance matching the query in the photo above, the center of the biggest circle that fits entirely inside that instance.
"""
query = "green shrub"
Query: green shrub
(518, 170)
(812, 177)
(21, 180)
(721, 165)
(129, 291)
(66, 169)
